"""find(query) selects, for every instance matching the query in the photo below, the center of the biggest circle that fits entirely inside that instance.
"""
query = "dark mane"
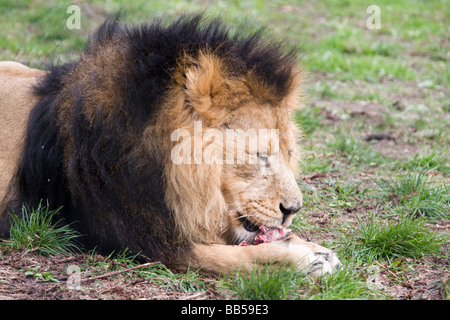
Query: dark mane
(155, 48)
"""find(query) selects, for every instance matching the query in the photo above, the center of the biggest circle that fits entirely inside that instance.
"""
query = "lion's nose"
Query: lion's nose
(290, 209)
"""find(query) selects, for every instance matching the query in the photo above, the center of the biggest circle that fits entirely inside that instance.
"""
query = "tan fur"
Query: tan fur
(294, 252)
(16, 100)
(207, 199)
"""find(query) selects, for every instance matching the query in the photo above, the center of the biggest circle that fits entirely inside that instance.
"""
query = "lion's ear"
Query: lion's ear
(203, 82)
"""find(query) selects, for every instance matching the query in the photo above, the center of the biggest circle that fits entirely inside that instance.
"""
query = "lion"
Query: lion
(99, 142)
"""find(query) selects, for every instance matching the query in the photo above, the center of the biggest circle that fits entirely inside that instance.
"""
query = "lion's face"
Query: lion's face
(263, 191)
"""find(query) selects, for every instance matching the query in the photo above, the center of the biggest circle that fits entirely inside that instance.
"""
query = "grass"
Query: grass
(413, 190)
(37, 230)
(376, 202)
(434, 160)
(266, 283)
(283, 283)
(35, 272)
(346, 284)
(376, 239)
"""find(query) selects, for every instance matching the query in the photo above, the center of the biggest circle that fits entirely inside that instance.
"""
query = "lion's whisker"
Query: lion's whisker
(243, 216)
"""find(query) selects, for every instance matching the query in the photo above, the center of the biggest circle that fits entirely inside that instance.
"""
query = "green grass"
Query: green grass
(35, 272)
(377, 239)
(264, 283)
(414, 190)
(349, 150)
(38, 230)
(346, 284)
(308, 119)
(434, 160)
(282, 283)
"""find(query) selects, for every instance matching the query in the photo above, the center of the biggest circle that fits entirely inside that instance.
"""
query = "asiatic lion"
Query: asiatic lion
(100, 143)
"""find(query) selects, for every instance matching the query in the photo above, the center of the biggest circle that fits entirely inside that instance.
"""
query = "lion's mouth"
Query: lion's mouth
(249, 226)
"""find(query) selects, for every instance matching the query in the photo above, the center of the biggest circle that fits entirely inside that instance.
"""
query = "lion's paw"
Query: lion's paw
(323, 262)
(313, 258)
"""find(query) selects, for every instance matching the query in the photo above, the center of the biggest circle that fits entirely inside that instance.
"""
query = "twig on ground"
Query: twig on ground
(109, 274)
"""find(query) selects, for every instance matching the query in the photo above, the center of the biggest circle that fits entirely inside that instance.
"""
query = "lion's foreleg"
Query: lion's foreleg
(303, 255)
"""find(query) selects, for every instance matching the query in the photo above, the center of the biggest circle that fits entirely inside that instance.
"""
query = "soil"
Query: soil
(18, 284)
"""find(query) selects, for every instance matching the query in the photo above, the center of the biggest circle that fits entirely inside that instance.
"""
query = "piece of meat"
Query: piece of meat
(267, 235)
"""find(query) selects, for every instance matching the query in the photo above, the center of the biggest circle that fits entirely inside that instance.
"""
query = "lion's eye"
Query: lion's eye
(264, 157)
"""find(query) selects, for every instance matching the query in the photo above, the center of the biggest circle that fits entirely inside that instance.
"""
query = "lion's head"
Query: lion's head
(244, 173)
(102, 139)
